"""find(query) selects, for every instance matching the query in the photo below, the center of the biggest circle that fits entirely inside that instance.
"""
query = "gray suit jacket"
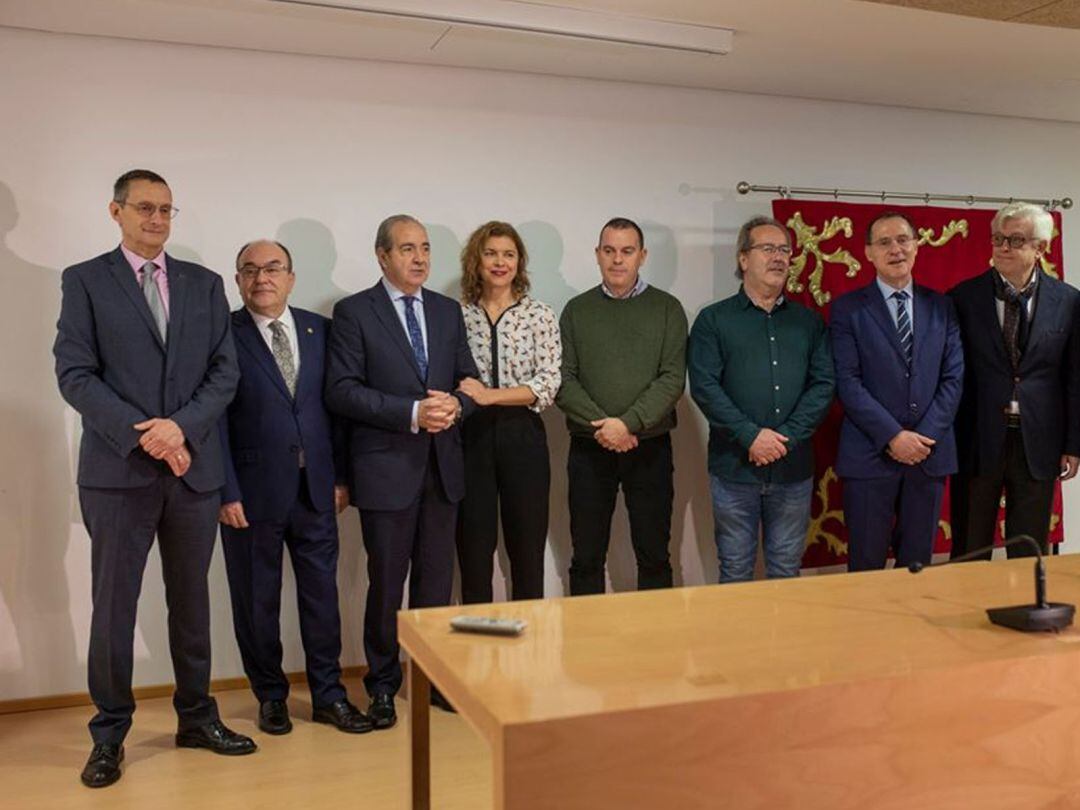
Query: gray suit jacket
(113, 368)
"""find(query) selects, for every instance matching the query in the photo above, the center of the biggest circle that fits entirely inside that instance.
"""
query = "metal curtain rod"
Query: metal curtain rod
(836, 193)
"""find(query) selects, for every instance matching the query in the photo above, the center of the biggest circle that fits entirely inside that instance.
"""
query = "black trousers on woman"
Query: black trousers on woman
(507, 470)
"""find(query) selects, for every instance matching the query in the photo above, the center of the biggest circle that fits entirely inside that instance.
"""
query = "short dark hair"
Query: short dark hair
(622, 224)
(285, 250)
(120, 187)
(889, 215)
(383, 238)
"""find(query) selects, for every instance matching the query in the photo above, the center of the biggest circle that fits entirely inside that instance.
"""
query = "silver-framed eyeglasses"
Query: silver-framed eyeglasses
(771, 250)
(903, 241)
(271, 270)
(148, 209)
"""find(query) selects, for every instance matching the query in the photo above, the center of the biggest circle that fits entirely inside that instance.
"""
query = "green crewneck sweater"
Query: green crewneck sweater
(623, 357)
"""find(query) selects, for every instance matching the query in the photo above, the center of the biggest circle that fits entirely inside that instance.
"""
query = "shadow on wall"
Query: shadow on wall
(314, 254)
(37, 499)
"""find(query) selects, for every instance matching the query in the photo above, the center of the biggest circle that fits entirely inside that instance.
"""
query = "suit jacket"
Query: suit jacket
(265, 428)
(372, 380)
(113, 368)
(1049, 382)
(881, 395)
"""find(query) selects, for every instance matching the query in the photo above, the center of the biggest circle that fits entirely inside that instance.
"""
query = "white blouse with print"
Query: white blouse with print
(527, 345)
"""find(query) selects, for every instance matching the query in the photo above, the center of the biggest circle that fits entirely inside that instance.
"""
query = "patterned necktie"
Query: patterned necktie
(283, 356)
(1014, 323)
(153, 300)
(903, 323)
(416, 337)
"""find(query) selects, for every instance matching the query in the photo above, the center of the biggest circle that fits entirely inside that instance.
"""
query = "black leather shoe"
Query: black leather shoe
(344, 715)
(218, 738)
(382, 712)
(274, 717)
(439, 699)
(103, 767)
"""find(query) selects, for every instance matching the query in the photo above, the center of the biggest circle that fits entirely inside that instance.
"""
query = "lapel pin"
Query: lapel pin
(310, 331)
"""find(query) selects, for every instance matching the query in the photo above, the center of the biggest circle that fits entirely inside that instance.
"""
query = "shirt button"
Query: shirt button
(774, 362)
(771, 337)
(1016, 379)
(776, 387)
(778, 410)
(914, 406)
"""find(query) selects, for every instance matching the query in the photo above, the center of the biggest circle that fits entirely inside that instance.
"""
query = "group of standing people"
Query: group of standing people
(423, 412)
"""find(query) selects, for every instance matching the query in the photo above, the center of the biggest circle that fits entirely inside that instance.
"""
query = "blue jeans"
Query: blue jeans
(782, 511)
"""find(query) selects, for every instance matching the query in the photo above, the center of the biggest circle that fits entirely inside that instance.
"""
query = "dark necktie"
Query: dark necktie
(283, 355)
(903, 323)
(416, 337)
(153, 300)
(1014, 324)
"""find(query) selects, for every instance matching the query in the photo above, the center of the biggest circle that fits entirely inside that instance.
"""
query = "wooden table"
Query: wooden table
(872, 690)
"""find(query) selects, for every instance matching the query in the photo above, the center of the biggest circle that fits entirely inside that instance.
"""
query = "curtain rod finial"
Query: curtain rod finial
(1067, 203)
(742, 187)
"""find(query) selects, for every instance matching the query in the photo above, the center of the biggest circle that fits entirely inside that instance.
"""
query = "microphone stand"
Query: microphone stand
(1040, 616)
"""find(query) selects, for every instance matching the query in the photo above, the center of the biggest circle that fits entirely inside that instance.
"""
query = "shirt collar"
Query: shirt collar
(636, 290)
(1028, 289)
(136, 261)
(396, 294)
(887, 291)
(746, 301)
(264, 321)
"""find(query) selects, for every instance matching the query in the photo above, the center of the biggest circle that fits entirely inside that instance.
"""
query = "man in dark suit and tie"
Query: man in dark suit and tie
(396, 355)
(284, 485)
(143, 353)
(1018, 427)
(899, 369)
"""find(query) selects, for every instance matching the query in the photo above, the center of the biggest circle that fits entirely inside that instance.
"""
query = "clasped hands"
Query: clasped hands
(164, 440)
(613, 434)
(768, 446)
(438, 411)
(909, 447)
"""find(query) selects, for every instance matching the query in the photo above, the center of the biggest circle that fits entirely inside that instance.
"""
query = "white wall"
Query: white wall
(315, 152)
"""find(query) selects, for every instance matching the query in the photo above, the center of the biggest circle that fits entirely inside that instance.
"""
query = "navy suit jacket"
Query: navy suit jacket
(1049, 386)
(113, 368)
(265, 427)
(880, 394)
(372, 379)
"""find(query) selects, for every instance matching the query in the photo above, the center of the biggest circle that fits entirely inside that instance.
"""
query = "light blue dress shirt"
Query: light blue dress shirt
(397, 299)
(894, 305)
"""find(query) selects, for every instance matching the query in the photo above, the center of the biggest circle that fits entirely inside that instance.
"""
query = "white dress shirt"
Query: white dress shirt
(262, 323)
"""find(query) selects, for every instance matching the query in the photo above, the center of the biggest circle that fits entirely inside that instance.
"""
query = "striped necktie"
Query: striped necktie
(903, 323)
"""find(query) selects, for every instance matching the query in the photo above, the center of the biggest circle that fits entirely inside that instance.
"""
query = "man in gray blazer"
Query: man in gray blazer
(144, 354)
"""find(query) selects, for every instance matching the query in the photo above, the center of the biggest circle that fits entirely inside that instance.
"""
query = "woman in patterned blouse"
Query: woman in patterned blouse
(515, 342)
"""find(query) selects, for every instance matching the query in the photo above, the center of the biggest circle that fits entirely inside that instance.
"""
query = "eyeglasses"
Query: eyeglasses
(770, 250)
(1016, 241)
(903, 241)
(273, 270)
(147, 210)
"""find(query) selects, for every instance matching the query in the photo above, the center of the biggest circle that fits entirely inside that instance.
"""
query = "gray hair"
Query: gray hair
(1041, 220)
(383, 239)
(743, 243)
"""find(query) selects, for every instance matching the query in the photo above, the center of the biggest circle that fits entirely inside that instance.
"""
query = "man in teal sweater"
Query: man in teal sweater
(762, 373)
(624, 368)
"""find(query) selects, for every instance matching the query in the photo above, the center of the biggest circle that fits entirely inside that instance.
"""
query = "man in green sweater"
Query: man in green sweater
(623, 370)
(762, 373)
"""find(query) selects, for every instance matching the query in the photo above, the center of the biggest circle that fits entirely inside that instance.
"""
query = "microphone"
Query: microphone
(1040, 616)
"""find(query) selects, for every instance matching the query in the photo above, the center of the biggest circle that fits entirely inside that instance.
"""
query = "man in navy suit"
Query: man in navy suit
(143, 353)
(1018, 427)
(283, 465)
(899, 370)
(396, 355)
